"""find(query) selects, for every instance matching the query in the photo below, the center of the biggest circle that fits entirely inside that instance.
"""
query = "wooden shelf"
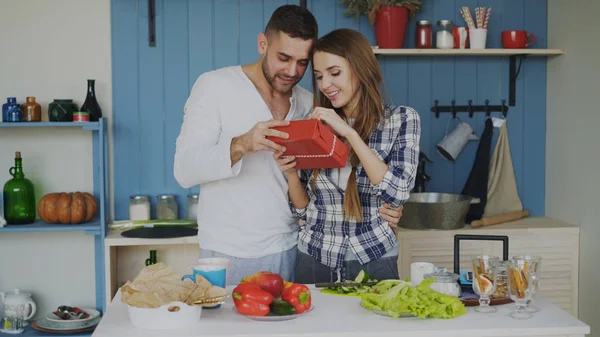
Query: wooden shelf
(512, 54)
(468, 52)
(84, 125)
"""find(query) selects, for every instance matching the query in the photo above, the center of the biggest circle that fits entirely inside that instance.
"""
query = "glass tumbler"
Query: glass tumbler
(535, 263)
(521, 285)
(484, 281)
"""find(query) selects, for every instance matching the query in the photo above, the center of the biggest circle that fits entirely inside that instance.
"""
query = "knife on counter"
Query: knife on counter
(344, 284)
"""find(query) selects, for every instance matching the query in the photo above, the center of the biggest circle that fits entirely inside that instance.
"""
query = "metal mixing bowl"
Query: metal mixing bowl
(441, 211)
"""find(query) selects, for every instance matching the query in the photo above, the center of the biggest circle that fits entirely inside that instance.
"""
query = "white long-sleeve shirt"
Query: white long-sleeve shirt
(243, 210)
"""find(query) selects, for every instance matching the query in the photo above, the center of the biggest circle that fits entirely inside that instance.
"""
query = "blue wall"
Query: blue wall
(193, 36)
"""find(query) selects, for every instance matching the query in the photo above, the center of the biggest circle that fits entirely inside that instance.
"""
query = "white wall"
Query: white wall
(49, 50)
(573, 136)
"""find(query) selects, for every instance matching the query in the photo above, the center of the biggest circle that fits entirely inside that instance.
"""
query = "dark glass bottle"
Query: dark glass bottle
(91, 103)
(19, 197)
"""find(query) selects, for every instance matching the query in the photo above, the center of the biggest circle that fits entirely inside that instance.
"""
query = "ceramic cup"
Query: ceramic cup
(477, 38)
(461, 37)
(213, 269)
(216, 261)
(516, 39)
(418, 270)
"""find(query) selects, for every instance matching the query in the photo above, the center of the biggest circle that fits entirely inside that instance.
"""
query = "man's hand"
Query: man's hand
(391, 215)
(255, 140)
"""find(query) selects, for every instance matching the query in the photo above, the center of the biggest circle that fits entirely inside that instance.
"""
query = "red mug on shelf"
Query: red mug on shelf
(516, 39)
(461, 37)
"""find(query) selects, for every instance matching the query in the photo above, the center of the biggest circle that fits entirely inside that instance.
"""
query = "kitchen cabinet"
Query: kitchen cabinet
(555, 241)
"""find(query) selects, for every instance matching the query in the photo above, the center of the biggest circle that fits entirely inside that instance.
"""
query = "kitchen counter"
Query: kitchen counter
(555, 241)
(334, 316)
(532, 224)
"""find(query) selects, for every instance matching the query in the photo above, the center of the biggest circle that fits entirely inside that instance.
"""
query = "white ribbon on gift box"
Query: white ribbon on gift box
(317, 155)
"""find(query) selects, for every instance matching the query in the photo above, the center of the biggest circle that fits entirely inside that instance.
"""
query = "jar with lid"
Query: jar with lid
(139, 207)
(444, 37)
(424, 34)
(501, 281)
(445, 282)
(166, 207)
(192, 207)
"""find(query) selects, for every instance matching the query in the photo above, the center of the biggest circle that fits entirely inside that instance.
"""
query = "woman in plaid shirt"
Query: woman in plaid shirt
(343, 230)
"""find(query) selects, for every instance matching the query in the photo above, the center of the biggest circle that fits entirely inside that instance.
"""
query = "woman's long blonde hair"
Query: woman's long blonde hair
(356, 49)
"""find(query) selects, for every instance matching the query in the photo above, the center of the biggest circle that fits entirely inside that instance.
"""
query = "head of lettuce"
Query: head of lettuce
(400, 298)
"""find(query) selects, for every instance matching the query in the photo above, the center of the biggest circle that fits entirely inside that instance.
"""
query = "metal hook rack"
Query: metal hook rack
(470, 108)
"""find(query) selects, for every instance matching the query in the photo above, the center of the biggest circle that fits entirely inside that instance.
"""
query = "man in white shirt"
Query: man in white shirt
(243, 208)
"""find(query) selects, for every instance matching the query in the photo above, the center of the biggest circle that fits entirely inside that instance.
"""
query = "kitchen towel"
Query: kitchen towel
(477, 182)
(502, 194)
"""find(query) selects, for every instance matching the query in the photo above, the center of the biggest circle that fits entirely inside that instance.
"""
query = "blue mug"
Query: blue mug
(215, 274)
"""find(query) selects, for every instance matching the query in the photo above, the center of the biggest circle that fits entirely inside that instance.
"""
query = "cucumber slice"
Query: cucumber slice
(362, 277)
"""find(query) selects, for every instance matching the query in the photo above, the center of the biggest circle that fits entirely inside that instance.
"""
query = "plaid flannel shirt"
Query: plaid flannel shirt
(326, 232)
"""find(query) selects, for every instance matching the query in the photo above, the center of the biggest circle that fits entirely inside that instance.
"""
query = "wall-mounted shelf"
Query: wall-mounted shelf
(31, 332)
(91, 227)
(468, 52)
(513, 71)
(97, 227)
(84, 125)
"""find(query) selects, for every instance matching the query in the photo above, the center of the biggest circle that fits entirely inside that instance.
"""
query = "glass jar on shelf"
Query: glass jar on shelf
(444, 38)
(192, 207)
(424, 35)
(166, 207)
(139, 207)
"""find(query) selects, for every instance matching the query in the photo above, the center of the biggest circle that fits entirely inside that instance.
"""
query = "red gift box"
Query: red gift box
(312, 144)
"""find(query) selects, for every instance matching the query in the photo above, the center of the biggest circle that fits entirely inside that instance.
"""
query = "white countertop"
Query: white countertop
(335, 316)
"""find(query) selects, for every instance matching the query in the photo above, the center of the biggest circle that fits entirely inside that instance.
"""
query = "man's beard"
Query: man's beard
(282, 89)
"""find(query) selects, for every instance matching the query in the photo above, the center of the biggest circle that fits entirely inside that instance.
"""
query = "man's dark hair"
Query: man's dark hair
(295, 21)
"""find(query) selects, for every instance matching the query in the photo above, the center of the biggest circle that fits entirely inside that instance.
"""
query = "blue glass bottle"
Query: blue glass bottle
(11, 111)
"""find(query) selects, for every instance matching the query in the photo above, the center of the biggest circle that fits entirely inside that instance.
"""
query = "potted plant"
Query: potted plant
(388, 16)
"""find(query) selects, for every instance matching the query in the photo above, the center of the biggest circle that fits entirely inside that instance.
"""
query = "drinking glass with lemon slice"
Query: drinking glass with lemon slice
(484, 281)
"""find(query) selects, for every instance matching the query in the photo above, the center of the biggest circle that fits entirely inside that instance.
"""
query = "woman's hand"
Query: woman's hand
(333, 120)
(286, 165)
(391, 215)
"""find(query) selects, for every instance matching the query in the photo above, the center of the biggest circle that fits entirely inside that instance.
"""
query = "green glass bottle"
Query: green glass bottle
(19, 198)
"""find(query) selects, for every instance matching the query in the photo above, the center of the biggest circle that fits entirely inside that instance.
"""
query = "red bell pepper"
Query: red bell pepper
(250, 300)
(298, 295)
(267, 281)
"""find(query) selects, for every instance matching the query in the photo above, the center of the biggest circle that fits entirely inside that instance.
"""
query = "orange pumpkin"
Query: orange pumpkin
(67, 208)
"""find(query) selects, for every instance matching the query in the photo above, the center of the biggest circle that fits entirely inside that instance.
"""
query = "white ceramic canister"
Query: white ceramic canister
(418, 270)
